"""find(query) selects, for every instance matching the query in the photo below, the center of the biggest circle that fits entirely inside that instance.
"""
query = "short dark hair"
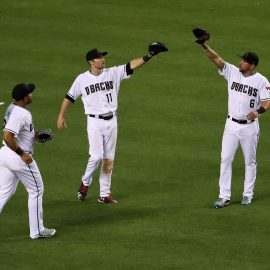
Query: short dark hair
(94, 53)
(251, 58)
(21, 90)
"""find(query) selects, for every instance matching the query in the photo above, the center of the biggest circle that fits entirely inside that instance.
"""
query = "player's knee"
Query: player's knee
(36, 190)
(107, 166)
(251, 163)
(226, 159)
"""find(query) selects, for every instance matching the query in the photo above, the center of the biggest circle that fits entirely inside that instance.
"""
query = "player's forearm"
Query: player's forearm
(64, 107)
(61, 122)
(138, 62)
(213, 56)
(265, 104)
(10, 141)
(210, 52)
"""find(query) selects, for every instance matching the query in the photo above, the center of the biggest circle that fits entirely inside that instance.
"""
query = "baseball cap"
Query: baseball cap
(250, 57)
(94, 53)
(21, 90)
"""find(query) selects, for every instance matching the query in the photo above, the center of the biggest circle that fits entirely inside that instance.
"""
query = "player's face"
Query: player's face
(28, 98)
(245, 66)
(98, 63)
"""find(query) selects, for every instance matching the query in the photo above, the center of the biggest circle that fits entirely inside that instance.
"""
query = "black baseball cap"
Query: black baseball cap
(94, 53)
(251, 58)
(21, 90)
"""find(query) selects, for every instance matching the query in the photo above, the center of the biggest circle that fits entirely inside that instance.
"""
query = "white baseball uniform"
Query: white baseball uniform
(99, 95)
(245, 94)
(13, 169)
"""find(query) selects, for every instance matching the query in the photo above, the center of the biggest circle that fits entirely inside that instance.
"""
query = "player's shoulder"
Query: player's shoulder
(118, 67)
(10, 108)
(106, 70)
(228, 65)
(19, 112)
(83, 75)
(228, 70)
(259, 76)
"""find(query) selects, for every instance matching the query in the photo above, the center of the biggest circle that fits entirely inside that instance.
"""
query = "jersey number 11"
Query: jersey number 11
(109, 97)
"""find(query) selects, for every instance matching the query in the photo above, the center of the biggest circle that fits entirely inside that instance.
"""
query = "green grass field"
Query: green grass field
(171, 119)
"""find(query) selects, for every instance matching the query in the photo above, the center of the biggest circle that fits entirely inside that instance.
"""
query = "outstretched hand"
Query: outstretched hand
(201, 35)
(155, 48)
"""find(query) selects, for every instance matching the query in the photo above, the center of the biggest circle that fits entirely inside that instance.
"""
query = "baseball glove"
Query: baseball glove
(44, 135)
(201, 35)
(156, 48)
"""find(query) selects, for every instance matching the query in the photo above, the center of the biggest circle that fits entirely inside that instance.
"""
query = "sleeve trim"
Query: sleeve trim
(70, 98)
(129, 71)
(11, 131)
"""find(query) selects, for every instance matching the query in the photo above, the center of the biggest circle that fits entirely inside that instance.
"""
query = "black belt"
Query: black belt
(240, 121)
(104, 117)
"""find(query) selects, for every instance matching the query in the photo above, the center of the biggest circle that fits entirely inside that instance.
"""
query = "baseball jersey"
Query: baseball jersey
(18, 121)
(99, 93)
(245, 94)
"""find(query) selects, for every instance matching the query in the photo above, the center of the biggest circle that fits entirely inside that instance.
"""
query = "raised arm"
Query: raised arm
(138, 62)
(213, 56)
(61, 121)
(202, 36)
(154, 49)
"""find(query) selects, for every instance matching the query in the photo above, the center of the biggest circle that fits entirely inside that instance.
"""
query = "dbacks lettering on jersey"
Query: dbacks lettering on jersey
(251, 91)
(99, 87)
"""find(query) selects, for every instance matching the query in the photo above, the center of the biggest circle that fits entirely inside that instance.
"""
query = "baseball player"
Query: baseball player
(17, 163)
(98, 89)
(248, 98)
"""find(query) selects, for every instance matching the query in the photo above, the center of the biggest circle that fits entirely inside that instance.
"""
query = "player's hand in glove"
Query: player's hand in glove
(201, 35)
(43, 136)
(156, 47)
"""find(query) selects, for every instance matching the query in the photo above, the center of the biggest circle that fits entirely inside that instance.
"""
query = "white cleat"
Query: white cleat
(246, 200)
(220, 203)
(46, 233)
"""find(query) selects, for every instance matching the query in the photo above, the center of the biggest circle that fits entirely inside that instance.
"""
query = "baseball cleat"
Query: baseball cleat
(82, 193)
(108, 199)
(46, 233)
(220, 203)
(246, 200)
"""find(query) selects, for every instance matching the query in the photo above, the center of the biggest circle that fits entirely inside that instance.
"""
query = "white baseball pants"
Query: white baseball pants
(13, 170)
(247, 136)
(102, 137)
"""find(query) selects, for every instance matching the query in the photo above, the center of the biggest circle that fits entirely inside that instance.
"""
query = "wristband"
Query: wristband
(260, 110)
(146, 58)
(204, 47)
(19, 151)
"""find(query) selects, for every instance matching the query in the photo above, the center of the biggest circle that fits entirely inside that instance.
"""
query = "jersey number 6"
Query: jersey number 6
(252, 103)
